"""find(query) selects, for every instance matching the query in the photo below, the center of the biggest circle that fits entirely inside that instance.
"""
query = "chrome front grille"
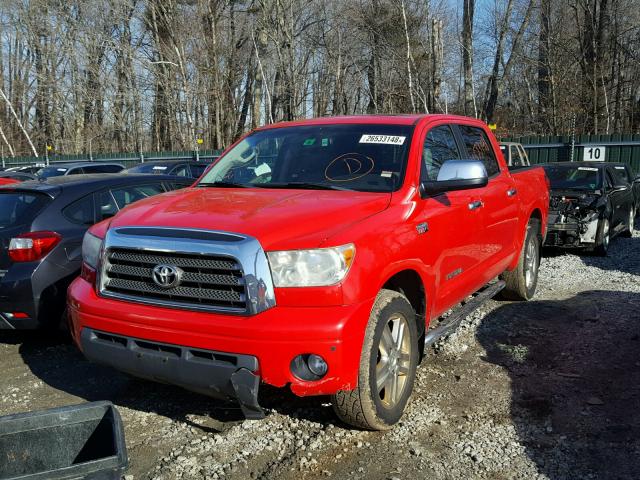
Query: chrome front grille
(216, 274)
(208, 281)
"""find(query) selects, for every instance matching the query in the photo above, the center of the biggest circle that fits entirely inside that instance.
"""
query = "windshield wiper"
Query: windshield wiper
(301, 185)
(222, 185)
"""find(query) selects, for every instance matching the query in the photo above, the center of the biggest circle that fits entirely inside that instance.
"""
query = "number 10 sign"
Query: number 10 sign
(592, 153)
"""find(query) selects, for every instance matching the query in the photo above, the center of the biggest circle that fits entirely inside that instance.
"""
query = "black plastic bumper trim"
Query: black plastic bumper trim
(223, 375)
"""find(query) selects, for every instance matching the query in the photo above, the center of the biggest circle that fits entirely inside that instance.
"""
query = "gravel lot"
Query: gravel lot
(546, 389)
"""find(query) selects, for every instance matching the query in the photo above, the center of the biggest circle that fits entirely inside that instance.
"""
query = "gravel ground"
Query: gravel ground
(546, 389)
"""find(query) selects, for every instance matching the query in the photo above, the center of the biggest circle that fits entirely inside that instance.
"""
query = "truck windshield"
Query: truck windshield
(366, 158)
(573, 177)
(20, 208)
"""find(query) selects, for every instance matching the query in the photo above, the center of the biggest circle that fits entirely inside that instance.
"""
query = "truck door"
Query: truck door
(500, 206)
(451, 242)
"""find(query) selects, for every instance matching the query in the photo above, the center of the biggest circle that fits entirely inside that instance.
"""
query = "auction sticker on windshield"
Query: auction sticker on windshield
(590, 169)
(383, 139)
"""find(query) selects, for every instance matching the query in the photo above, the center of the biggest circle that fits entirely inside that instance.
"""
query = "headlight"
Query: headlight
(91, 250)
(311, 268)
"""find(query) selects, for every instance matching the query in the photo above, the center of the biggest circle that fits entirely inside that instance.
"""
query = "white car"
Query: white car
(514, 154)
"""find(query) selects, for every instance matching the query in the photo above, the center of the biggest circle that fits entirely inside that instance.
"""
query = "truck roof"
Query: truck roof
(400, 119)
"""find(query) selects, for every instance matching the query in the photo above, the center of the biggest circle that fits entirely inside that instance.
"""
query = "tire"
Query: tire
(630, 223)
(603, 237)
(367, 406)
(522, 281)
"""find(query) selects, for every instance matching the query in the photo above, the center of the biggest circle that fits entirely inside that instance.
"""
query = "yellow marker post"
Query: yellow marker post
(493, 126)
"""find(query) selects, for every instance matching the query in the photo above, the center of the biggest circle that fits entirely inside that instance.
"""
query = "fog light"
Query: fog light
(317, 365)
(309, 367)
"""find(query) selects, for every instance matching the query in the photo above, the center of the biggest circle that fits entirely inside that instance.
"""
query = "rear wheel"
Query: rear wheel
(522, 281)
(388, 365)
(630, 223)
(603, 237)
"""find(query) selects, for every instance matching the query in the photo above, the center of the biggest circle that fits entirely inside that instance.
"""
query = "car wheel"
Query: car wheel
(387, 369)
(521, 282)
(630, 223)
(603, 237)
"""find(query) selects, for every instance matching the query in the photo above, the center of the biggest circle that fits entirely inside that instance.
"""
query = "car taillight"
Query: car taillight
(32, 246)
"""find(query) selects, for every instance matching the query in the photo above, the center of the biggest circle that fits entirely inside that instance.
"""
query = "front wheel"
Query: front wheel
(522, 281)
(388, 365)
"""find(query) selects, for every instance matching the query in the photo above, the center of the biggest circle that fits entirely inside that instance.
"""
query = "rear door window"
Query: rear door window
(479, 148)
(18, 208)
(439, 146)
(81, 211)
(127, 195)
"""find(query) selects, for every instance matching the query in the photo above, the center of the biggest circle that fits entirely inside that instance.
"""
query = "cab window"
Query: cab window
(439, 146)
(479, 147)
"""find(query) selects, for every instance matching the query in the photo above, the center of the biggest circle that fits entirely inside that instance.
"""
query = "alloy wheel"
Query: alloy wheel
(394, 361)
(531, 263)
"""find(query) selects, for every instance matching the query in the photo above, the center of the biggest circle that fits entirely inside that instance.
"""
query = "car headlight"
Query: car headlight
(91, 250)
(311, 268)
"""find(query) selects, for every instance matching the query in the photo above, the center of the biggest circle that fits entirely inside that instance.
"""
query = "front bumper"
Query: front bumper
(274, 337)
(217, 374)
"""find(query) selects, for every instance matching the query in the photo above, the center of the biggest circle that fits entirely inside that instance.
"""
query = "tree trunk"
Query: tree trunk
(467, 57)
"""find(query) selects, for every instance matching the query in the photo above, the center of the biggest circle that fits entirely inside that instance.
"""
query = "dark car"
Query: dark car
(590, 203)
(79, 168)
(181, 168)
(42, 223)
(19, 176)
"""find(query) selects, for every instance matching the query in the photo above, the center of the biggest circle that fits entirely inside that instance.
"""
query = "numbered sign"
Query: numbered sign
(593, 154)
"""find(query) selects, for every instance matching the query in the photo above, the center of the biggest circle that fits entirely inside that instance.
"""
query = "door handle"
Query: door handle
(476, 204)
(512, 192)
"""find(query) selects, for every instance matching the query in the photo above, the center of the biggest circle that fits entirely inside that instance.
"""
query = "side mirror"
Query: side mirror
(456, 175)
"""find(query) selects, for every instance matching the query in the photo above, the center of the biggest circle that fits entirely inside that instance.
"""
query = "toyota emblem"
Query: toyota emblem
(166, 276)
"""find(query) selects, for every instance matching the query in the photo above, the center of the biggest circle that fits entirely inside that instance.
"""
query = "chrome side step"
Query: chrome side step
(452, 322)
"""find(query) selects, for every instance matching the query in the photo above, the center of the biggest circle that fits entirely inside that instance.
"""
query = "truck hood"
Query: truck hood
(279, 219)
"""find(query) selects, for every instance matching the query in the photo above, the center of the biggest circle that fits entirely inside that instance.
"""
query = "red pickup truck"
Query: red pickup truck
(317, 255)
